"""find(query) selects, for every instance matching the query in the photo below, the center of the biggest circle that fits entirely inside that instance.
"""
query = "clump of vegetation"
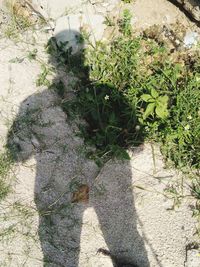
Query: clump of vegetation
(5, 166)
(136, 90)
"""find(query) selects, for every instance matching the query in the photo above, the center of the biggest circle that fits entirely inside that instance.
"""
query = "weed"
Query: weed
(125, 23)
(63, 55)
(182, 130)
(195, 188)
(42, 79)
(172, 192)
(5, 166)
(156, 104)
(32, 54)
(109, 21)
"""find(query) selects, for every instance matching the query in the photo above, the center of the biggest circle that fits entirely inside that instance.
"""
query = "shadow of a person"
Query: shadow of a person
(41, 129)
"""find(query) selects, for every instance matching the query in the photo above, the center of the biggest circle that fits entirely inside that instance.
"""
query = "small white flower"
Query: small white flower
(189, 117)
(198, 79)
(187, 127)
(137, 127)
(106, 97)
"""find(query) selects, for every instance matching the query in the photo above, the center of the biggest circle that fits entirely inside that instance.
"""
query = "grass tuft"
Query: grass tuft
(5, 166)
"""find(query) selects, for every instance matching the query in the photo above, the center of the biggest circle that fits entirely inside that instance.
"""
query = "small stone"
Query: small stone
(190, 39)
(193, 258)
(168, 204)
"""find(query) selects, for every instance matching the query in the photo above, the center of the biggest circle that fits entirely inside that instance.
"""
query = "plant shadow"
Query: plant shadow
(43, 130)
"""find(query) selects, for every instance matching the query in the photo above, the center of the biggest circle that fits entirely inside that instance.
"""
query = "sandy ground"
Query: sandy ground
(127, 212)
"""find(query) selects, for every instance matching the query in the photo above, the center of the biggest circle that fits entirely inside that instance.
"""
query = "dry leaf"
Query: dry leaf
(81, 195)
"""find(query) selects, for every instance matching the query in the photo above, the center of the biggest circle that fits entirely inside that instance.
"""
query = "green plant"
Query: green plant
(135, 91)
(5, 166)
(195, 188)
(111, 120)
(182, 131)
(42, 79)
(109, 21)
(125, 23)
(155, 104)
(32, 54)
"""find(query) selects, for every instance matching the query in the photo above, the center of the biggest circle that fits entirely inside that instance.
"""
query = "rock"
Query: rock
(190, 39)
(160, 12)
(192, 6)
(56, 9)
(193, 258)
(69, 27)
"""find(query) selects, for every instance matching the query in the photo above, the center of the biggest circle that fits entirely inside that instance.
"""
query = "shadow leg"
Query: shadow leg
(118, 217)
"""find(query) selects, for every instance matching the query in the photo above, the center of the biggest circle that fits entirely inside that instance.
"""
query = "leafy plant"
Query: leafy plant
(155, 104)
(43, 76)
(125, 23)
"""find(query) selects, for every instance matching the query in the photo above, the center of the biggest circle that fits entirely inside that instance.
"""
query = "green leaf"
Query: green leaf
(149, 110)
(161, 111)
(163, 100)
(141, 120)
(151, 100)
(146, 97)
(154, 93)
(122, 154)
